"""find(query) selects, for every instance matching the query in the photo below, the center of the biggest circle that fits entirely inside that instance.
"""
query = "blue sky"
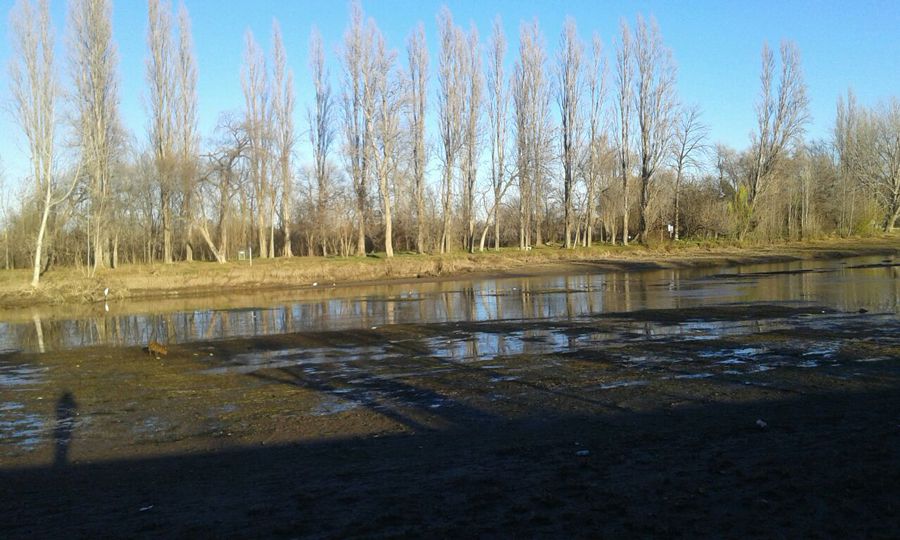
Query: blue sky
(716, 45)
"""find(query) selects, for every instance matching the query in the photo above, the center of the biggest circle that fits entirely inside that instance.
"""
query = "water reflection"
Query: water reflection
(847, 285)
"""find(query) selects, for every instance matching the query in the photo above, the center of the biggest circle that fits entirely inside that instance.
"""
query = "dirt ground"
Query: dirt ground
(731, 421)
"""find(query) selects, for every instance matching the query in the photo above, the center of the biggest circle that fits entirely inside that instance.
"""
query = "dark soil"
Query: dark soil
(777, 422)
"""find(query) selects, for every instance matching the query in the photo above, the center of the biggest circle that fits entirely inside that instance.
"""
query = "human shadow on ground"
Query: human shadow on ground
(66, 410)
(825, 465)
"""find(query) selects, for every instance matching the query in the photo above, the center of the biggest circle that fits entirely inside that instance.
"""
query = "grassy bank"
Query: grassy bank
(72, 285)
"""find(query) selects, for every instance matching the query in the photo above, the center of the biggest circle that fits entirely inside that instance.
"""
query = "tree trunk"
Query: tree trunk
(625, 210)
(167, 226)
(567, 196)
(420, 216)
(445, 229)
(39, 243)
(642, 218)
(272, 234)
(217, 253)
(361, 231)
(892, 217)
(98, 250)
(388, 226)
(287, 250)
(677, 198)
(591, 215)
(115, 252)
(263, 234)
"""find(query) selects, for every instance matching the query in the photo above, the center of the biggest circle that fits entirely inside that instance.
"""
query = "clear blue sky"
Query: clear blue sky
(716, 45)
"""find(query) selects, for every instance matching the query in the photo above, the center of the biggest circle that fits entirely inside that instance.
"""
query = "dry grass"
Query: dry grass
(71, 285)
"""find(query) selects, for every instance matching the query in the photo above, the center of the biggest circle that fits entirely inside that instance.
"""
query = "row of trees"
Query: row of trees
(559, 150)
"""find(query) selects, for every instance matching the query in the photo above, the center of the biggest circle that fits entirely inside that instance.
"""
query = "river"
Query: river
(851, 284)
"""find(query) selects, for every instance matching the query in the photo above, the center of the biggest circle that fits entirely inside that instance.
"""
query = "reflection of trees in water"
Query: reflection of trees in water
(876, 289)
(38, 332)
(470, 303)
(846, 289)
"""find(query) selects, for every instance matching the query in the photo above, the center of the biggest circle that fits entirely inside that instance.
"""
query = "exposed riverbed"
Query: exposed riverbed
(760, 398)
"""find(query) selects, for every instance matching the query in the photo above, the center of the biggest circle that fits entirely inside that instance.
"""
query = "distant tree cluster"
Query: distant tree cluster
(570, 149)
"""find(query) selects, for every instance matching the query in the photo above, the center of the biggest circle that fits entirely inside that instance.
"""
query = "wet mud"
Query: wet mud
(734, 419)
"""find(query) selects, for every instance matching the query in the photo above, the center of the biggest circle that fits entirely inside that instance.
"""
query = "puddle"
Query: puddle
(747, 352)
(330, 406)
(623, 384)
(309, 357)
(20, 375)
(504, 378)
(693, 376)
(20, 428)
(760, 368)
(827, 351)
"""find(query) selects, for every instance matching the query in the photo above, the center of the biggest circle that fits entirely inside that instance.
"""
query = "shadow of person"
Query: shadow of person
(66, 409)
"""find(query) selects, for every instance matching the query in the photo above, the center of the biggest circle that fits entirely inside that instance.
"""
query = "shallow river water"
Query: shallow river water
(869, 283)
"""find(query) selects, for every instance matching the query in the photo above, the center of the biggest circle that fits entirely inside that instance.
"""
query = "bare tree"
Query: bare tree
(93, 66)
(451, 111)
(417, 52)
(161, 81)
(885, 178)
(531, 103)
(869, 150)
(187, 138)
(321, 134)
(221, 180)
(283, 128)
(356, 101)
(255, 83)
(5, 220)
(655, 106)
(34, 88)
(520, 92)
(541, 145)
(688, 141)
(385, 122)
(568, 94)
(845, 125)
(498, 105)
(472, 135)
(596, 133)
(624, 76)
(782, 114)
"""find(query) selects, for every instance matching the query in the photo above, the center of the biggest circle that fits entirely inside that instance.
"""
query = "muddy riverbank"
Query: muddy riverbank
(750, 419)
(72, 287)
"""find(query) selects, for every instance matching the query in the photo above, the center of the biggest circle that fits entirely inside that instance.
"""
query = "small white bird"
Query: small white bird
(106, 291)
(315, 283)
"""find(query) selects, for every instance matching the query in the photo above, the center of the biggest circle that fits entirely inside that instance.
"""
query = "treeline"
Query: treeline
(414, 154)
